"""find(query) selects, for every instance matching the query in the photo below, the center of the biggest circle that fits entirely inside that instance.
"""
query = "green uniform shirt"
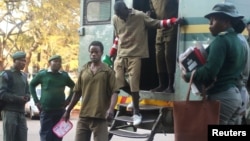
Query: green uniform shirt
(96, 90)
(19, 88)
(133, 34)
(225, 62)
(52, 89)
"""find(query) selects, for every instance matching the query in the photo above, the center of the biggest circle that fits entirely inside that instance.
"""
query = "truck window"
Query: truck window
(97, 12)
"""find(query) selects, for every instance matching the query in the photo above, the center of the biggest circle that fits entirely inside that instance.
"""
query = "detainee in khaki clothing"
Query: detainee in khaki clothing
(132, 45)
(166, 44)
(96, 86)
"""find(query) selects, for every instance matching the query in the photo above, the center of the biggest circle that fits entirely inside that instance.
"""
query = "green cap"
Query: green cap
(54, 57)
(18, 55)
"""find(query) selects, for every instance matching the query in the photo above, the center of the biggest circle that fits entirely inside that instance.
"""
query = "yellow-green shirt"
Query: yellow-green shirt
(96, 90)
(133, 34)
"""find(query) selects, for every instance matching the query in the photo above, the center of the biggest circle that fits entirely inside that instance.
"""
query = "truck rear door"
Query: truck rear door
(96, 17)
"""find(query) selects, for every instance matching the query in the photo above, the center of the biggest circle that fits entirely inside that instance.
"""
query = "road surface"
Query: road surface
(34, 125)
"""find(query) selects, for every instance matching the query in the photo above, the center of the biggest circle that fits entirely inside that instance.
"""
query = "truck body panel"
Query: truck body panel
(96, 24)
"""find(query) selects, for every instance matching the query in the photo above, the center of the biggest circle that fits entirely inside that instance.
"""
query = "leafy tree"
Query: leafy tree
(57, 23)
(10, 29)
(44, 28)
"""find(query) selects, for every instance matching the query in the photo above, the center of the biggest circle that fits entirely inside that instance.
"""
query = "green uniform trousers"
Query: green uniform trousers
(14, 126)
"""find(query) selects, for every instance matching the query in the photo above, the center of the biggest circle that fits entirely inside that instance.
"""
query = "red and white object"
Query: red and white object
(113, 50)
(168, 22)
(62, 128)
(191, 59)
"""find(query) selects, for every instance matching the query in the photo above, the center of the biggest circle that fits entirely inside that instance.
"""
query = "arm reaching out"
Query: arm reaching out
(113, 50)
(169, 22)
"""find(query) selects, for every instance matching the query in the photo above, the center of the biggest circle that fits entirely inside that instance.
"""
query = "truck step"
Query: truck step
(130, 120)
(144, 107)
(127, 134)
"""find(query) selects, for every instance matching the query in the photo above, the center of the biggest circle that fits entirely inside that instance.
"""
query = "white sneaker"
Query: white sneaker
(137, 119)
(130, 106)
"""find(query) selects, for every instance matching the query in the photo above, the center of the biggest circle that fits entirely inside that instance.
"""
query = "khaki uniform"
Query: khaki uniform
(132, 46)
(96, 90)
(166, 39)
(133, 34)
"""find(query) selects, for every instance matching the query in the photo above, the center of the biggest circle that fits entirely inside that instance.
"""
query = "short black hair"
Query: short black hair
(119, 5)
(97, 43)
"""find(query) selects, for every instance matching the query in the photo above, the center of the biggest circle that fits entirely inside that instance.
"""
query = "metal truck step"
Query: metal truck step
(144, 107)
(129, 119)
(127, 134)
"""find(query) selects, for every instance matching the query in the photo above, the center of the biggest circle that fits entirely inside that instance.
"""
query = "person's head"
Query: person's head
(248, 27)
(222, 17)
(121, 9)
(95, 51)
(55, 63)
(19, 59)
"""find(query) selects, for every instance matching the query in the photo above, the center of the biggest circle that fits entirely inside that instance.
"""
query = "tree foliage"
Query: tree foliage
(42, 28)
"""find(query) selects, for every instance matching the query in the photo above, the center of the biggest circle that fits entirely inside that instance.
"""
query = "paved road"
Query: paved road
(34, 125)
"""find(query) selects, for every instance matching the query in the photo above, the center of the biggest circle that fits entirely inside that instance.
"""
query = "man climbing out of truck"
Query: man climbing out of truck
(131, 46)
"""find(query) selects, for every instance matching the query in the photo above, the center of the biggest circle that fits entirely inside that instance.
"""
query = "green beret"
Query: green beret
(18, 55)
(54, 57)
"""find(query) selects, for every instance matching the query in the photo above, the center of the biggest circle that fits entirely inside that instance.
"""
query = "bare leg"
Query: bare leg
(162, 83)
(170, 88)
(135, 98)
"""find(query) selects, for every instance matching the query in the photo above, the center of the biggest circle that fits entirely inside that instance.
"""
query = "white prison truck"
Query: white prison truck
(156, 108)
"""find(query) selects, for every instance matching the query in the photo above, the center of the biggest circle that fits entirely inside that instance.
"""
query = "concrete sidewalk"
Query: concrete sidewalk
(157, 137)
